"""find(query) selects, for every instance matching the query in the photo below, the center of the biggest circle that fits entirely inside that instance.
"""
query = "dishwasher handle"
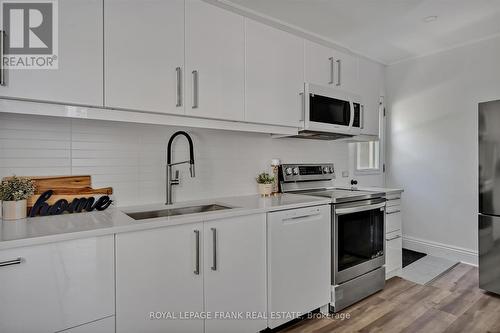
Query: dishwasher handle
(298, 217)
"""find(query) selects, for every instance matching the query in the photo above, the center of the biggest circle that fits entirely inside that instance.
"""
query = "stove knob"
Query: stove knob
(288, 171)
(325, 169)
(331, 169)
(295, 171)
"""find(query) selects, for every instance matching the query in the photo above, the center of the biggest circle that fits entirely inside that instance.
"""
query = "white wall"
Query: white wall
(131, 157)
(432, 140)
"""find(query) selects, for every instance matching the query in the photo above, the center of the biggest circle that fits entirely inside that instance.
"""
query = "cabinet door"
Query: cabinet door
(235, 272)
(144, 55)
(346, 71)
(155, 273)
(371, 88)
(394, 252)
(393, 219)
(320, 65)
(215, 62)
(106, 325)
(56, 286)
(78, 79)
(274, 75)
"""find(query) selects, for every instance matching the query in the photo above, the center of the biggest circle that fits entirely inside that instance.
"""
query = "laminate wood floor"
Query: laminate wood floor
(452, 303)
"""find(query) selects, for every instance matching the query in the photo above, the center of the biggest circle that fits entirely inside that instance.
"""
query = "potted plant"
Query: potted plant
(265, 182)
(13, 193)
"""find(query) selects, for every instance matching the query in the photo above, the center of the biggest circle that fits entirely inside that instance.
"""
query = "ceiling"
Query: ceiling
(388, 30)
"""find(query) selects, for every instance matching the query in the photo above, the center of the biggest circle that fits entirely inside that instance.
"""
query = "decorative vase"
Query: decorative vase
(265, 189)
(14, 210)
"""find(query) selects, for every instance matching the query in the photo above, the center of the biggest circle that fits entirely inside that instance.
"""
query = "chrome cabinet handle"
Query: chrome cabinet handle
(195, 89)
(394, 212)
(393, 238)
(197, 265)
(16, 261)
(332, 71)
(214, 257)
(178, 71)
(339, 72)
(2, 50)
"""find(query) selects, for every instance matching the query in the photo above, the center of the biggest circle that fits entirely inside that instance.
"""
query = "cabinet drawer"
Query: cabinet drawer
(393, 202)
(57, 286)
(393, 251)
(393, 220)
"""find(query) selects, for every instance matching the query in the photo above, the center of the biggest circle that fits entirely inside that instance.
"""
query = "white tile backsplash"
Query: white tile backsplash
(131, 157)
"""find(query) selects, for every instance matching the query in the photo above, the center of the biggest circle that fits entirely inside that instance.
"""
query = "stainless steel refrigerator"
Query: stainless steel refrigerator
(489, 196)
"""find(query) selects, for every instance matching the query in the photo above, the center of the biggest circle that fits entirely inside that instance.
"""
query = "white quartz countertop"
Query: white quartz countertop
(386, 190)
(48, 229)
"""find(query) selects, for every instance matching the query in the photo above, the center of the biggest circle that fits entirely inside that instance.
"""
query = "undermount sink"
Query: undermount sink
(176, 211)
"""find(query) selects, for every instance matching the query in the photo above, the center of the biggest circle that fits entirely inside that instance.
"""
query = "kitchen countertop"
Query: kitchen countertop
(386, 190)
(48, 229)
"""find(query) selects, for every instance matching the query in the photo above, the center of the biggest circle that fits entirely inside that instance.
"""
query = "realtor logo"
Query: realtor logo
(30, 34)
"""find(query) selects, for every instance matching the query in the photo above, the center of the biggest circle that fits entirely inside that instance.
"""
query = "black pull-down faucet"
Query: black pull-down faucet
(170, 179)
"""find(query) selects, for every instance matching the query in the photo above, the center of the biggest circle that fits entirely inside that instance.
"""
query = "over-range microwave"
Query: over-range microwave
(330, 113)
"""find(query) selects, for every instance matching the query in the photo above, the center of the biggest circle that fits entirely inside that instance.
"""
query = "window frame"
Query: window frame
(381, 146)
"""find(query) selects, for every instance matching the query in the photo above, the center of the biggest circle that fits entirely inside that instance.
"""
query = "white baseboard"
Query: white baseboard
(441, 250)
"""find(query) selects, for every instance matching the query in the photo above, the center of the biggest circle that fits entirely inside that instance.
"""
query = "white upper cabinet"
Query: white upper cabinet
(346, 71)
(329, 67)
(274, 75)
(319, 64)
(78, 79)
(144, 55)
(371, 87)
(215, 62)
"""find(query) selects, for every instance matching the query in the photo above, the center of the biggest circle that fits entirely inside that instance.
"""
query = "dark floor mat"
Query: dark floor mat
(410, 256)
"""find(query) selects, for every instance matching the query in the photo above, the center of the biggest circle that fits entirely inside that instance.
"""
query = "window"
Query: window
(368, 156)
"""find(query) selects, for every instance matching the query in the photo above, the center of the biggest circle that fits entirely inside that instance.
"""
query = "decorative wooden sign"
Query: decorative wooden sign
(73, 194)
(42, 208)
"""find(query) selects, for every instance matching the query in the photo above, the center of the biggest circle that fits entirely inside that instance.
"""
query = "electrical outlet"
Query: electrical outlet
(345, 174)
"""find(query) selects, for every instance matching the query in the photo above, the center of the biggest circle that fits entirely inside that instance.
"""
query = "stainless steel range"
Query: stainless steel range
(358, 229)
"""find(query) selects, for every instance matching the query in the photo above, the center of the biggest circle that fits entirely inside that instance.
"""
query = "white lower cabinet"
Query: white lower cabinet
(393, 237)
(215, 268)
(299, 265)
(235, 273)
(106, 325)
(52, 287)
(155, 274)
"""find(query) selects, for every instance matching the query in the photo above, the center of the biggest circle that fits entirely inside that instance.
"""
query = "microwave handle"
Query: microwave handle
(361, 116)
(351, 121)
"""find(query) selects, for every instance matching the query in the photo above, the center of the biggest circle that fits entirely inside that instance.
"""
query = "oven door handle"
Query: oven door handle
(350, 210)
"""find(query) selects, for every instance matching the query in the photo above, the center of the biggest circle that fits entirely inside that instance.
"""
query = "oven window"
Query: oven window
(360, 238)
(329, 110)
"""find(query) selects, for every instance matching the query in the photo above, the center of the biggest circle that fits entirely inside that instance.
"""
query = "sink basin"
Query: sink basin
(176, 211)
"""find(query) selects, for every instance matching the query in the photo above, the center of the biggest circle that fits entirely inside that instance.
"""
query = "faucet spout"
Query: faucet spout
(170, 181)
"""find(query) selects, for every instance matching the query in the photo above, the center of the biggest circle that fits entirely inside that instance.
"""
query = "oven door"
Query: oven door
(327, 110)
(358, 242)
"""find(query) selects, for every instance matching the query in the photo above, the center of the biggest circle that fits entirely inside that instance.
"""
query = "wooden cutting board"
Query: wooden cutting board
(66, 187)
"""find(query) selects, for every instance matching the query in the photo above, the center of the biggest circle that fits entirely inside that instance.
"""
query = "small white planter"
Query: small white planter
(265, 189)
(14, 210)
